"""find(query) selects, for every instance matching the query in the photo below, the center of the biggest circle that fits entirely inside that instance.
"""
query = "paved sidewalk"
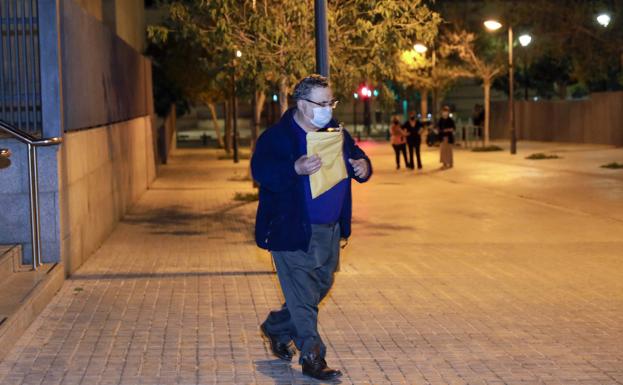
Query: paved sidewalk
(499, 271)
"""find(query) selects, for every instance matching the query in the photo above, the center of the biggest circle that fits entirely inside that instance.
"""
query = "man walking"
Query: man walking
(302, 233)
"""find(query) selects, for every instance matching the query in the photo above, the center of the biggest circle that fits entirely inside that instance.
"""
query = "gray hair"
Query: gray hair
(304, 87)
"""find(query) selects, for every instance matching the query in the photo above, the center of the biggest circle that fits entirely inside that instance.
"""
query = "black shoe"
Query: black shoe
(279, 349)
(316, 367)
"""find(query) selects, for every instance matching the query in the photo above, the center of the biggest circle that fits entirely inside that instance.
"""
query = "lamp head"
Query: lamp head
(492, 25)
(420, 48)
(525, 40)
(604, 19)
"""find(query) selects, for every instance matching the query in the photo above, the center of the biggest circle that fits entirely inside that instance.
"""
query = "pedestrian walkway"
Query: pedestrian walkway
(499, 271)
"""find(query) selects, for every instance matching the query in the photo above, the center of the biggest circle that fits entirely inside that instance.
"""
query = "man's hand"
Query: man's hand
(361, 167)
(307, 165)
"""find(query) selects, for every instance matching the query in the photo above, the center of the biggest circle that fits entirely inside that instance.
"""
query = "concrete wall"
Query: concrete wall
(129, 21)
(91, 180)
(93, 7)
(126, 18)
(103, 172)
(104, 79)
(595, 120)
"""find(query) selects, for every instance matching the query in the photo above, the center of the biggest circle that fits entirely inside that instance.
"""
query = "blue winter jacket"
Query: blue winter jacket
(282, 222)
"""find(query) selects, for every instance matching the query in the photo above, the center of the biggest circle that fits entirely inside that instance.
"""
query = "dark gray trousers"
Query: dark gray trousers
(305, 278)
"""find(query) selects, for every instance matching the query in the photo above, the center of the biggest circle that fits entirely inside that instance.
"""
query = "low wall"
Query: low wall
(597, 120)
(103, 171)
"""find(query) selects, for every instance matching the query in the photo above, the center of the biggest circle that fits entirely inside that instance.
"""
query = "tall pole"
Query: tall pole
(355, 115)
(525, 75)
(322, 37)
(234, 113)
(511, 91)
(366, 115)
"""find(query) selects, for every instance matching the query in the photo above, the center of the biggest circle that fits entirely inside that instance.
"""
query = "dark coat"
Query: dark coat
(443, 124)
(282, 221)
(414, 132)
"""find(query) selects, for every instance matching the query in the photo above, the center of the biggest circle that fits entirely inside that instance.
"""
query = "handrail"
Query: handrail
(25, 137)
(5, 153)
(33, 178)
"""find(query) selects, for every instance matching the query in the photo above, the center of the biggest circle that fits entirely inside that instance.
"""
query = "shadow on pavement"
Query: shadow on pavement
(93, 277)
(173, 220)
(283, 373)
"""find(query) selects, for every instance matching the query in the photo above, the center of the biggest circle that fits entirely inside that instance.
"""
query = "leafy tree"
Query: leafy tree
(366, 38)
(434, 74)
(463, 44)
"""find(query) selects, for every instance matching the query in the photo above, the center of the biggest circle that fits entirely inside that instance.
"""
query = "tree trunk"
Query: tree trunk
(217, 128)
(283, 94)
(228, 126)
(424, 103)
(487, 88)
(435, 105)
(260, 98)
(437, 99)
(562, 91)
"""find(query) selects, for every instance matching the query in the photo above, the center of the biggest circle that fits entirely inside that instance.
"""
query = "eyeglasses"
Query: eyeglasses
(331, 103)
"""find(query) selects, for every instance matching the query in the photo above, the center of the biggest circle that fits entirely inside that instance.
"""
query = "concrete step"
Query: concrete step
(9, 259)
(24, 293)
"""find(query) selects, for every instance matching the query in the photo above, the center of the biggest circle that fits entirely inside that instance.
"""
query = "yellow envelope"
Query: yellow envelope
(329, 147)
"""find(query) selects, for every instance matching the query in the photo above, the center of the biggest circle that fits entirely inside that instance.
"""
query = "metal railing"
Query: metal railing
(33, 178)
(20, 77)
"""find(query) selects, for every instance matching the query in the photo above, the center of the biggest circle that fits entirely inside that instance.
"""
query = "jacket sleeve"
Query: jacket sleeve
(355, 153)
(271, 166)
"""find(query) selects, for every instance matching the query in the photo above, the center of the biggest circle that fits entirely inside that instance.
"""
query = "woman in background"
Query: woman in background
(398, 141)
(446, 128)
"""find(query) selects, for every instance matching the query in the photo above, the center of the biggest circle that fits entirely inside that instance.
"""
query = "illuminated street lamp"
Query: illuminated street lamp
(525, 40)
(494, 25)
(604, 19)
(420, 48)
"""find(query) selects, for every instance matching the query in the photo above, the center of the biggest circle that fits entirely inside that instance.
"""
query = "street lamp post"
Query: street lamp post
(322, 37)
(234, 109)
(366, 93)
(355, 97)
(525, 40)
(493, 25)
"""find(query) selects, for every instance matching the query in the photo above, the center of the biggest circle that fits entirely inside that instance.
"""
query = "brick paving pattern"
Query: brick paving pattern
(467, 276)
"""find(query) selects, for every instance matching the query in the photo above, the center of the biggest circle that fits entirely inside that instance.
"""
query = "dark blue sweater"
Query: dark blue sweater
(282, 222)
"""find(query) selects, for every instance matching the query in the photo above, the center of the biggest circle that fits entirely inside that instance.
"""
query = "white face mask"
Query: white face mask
(322, 116)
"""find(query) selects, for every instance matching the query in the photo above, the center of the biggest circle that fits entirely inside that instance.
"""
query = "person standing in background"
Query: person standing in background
(478, 119)
(446, 128)
(414, 128)
(398, 141)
